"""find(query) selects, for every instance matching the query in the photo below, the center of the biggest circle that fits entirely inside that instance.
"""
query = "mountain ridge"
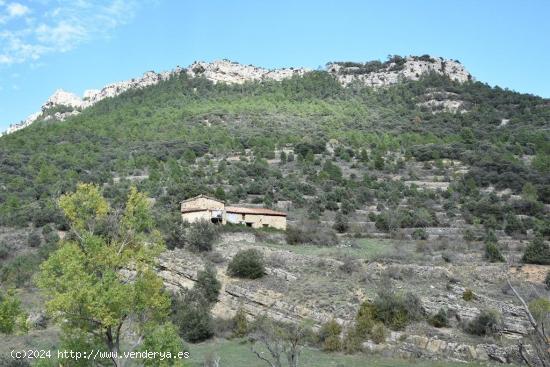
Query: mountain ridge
(373, 73)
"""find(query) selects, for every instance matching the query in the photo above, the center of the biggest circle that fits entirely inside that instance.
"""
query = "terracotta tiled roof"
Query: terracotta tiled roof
(264, 211)
(202, 196)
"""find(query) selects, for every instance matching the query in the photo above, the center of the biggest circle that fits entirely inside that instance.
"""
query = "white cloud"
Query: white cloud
(16, 10)
(57, 26)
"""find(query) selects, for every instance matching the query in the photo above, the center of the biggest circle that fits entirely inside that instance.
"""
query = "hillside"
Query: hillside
(394, 174)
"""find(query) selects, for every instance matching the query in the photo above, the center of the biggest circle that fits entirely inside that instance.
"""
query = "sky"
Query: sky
(78, 44)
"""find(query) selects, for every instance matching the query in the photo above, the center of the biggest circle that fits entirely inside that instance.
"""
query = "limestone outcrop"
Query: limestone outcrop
(225, 71)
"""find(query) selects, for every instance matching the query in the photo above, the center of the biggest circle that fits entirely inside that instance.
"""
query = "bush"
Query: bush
(240, 324)
(365, 318)
(247, 264)
(468, 235)
(200, 236)
(176, 235)
(492, 253)
(537, 252)
(4, 251)
(313, 233)
(547, 280)
(12, 316)
(420, 234)
(341, 224)
(378, 333)
(51, 237)
(34, 239)
(192, 317)
(352, 341)
(329, 336)
(349, 265)
(396, 310)
(540, 309)
(440, 319)
(392, 309)
(208, 284)
(486, 323)
(468, 295)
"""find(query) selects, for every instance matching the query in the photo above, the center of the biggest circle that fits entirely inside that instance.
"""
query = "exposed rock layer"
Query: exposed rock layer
(225, 71)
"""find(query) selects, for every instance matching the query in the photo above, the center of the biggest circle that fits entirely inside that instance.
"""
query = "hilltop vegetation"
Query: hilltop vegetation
(384, 192)
(160, 131)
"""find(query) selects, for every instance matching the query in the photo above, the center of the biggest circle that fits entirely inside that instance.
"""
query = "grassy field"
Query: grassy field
(236, 353)
(362, 248)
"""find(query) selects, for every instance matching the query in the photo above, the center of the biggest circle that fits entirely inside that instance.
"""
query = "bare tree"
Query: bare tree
(537, 338)
(279, 341)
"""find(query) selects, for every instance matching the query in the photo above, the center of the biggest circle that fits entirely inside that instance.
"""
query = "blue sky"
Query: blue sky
(79, 44)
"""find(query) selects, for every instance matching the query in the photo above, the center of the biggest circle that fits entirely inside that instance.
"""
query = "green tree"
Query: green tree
(537, 252)
(208, 284)
(162, 337)
(192, 316)
(12, 316)
(97, 286)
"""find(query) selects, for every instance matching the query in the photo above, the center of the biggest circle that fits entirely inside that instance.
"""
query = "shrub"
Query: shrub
(420, 234)
(468, 235)
(547, 280)
(310, 232)
(349, 265)
(12, 316)
(247, 264)
(192, 317)
(537, 252)
(341, 224)
(365, 319)
(240, 324)
(468, 295)
(486, 323)
(352, 341)
(329, 336)
(4, 251)
(440, 319)
(34, 239)
(208, 284)
(378, 333)
(175, 238)
(51, 237)
(397, 310)
(392, 309)
(201, 236)
(491, 237)
(540, 308)
(492, 253)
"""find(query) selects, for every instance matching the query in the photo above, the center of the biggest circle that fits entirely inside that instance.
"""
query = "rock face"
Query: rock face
(229, 72)
(297, 287)
(409, 68)
(73, 104)
(225, 71)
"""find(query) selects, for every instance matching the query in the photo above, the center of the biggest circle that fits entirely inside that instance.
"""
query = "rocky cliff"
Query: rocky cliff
(316, 288)
(373, 74)
(396, 69)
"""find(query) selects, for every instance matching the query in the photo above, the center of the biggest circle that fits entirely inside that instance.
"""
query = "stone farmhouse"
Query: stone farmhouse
(213, 210)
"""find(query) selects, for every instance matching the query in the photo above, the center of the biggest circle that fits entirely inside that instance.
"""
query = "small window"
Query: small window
(265, 225)
(249, 224)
